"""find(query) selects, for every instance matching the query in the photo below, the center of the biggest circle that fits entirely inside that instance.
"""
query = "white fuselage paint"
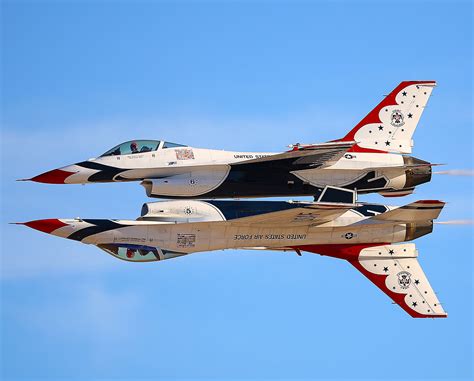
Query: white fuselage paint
(215, 233)
(168, 174)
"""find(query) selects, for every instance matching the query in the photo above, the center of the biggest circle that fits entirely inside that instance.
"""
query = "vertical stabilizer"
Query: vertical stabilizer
(389, 127)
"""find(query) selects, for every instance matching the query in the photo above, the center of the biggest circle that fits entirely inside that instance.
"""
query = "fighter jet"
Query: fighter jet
(363, 234)
(369, 159)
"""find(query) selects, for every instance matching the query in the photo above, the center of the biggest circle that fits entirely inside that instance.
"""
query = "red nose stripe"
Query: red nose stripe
(56, 176)
(46, 226)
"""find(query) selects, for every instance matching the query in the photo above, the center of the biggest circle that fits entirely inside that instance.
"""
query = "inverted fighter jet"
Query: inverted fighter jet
(369, 158)
(363, 234)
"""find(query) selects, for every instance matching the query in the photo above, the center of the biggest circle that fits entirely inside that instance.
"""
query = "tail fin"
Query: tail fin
(389, 127)
(392, 268)
(396, 271)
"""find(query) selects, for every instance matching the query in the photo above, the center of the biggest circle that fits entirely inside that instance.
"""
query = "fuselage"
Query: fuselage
(368, 158)
(188, 172)
(173, 228)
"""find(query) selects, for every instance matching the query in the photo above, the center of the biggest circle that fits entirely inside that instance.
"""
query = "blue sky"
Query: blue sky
(80, 77)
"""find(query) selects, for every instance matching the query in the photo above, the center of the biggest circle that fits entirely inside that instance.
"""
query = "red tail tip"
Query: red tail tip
(56, 176)
(46, 226)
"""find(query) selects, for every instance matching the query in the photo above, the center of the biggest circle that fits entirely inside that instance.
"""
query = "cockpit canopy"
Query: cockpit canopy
(140, 146)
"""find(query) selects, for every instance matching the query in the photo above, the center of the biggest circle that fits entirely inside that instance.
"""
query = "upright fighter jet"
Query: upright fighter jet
(363, 234)
(369, 158)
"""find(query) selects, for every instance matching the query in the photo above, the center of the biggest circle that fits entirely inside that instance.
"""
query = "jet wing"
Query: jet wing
(396, 271)
(312, 214)
(315, 156)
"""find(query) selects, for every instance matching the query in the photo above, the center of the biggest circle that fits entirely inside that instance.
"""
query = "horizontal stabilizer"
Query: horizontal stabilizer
(403, 166)
(397, 192)
(424, 210)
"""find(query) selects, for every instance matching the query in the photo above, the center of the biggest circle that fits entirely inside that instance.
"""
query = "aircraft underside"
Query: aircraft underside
(242, 184)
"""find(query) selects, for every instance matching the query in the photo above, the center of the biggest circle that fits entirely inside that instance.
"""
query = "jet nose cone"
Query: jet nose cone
(56, 176)
(45, 226)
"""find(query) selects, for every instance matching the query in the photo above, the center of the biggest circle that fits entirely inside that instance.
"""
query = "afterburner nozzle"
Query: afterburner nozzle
(418, 171)
(416, 230)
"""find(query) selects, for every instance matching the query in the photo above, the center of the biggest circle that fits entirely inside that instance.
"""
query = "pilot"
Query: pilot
(134, 147)
(130, 253)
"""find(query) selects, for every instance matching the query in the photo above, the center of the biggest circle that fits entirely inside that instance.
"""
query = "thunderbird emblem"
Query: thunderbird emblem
(397, 118)
(404, 279)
